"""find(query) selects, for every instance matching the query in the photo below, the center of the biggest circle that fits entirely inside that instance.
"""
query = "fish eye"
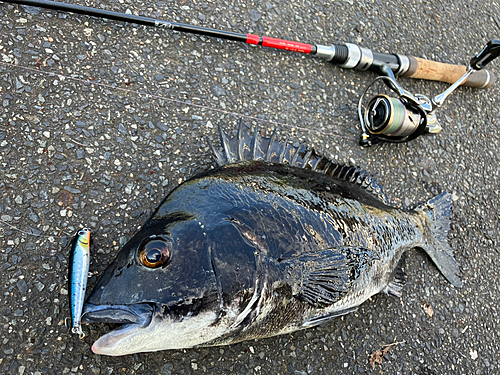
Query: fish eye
(154, 253)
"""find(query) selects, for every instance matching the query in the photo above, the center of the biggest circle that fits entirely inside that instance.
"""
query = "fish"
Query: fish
(78, 273)
(273, 240)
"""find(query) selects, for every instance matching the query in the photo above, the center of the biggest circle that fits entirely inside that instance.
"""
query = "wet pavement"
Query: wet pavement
(99, 120)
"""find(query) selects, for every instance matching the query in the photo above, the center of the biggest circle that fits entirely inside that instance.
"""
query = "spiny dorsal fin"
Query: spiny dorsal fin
(274, 148)
(246, 148)
(244, 144)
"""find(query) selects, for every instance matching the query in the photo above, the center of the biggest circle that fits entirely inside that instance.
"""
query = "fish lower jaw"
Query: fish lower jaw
(105, 344)
(160, 334)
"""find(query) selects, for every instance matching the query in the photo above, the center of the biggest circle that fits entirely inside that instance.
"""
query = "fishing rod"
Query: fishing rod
(385, 118)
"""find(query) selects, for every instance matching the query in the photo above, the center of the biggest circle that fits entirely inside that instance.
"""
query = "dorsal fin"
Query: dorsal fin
(246, 148)
(244, 144)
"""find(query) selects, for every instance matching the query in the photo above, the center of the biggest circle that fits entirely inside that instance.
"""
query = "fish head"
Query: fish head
(162, 278)
(168, 285)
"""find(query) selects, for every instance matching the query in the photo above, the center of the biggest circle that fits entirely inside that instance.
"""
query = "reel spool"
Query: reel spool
(391, 119)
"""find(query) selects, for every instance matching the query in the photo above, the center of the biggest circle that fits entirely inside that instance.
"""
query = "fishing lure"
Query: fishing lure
(78, 271)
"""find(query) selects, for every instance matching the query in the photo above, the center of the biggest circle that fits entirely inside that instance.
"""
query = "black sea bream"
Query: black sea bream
(274, 240)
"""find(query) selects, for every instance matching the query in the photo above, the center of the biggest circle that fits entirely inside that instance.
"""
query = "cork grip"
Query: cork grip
(436, 71)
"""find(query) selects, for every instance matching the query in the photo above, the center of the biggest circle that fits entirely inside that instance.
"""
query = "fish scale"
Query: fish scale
(276, 239)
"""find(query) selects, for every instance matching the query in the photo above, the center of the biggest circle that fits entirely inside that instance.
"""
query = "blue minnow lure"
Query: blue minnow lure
(78, 273)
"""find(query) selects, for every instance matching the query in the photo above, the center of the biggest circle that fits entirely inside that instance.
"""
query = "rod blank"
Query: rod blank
(345, 55)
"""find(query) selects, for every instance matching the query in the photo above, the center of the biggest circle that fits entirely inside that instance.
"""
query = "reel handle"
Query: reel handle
(490, 52)
(449, 73)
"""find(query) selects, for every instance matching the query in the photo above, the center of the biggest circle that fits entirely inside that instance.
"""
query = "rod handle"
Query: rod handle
(449, 73)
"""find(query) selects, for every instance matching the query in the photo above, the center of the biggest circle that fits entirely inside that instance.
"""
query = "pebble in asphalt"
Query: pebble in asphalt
(75, 153)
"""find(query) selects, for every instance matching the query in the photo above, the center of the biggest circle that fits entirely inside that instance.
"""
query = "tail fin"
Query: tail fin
(438, 211)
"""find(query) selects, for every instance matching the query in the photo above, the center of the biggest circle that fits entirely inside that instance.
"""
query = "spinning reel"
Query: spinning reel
(407, 116)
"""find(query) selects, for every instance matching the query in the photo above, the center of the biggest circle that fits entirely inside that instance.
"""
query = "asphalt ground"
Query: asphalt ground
(90, 148)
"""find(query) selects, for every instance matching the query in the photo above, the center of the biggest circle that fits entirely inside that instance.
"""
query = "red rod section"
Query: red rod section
(279, 43)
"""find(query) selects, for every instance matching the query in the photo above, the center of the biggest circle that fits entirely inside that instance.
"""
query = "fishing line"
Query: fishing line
(178, 101)
(2, 231)
(152, 96)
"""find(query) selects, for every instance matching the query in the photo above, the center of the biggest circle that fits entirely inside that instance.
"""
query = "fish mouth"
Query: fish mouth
(132, 317)
(139, 314)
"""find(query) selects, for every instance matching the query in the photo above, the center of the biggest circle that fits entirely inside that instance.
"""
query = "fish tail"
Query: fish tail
(438, 212)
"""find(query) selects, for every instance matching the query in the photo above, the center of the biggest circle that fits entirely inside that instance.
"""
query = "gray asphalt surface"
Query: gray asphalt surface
(74, 153)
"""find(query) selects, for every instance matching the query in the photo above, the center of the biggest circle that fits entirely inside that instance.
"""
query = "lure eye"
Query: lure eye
(155, 253)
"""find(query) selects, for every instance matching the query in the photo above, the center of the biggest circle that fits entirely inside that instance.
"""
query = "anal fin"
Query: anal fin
(397, 282)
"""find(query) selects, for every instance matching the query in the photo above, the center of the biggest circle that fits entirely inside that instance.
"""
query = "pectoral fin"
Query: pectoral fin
(321, 278)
